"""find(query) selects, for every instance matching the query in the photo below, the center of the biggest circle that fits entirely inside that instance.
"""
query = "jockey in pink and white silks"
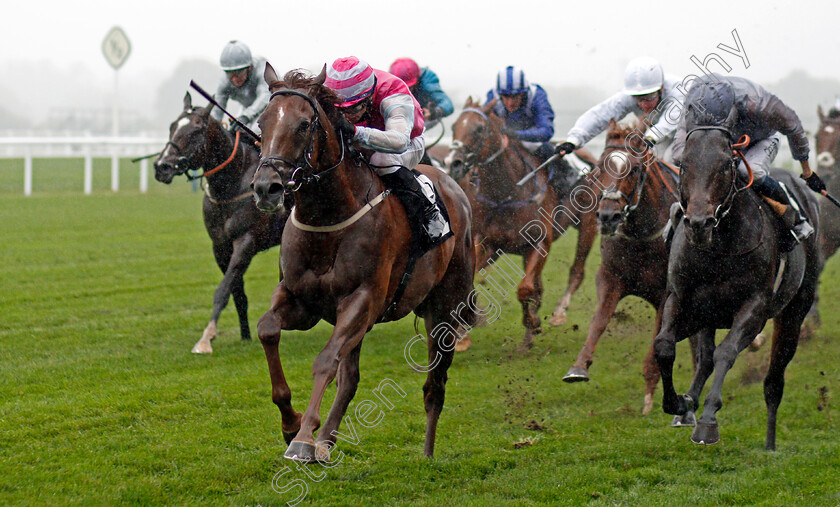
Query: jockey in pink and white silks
(381, 115)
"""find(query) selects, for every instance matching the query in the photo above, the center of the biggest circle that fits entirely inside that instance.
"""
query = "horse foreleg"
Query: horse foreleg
(703, 349)
(665, 352)
(587, 232)
(746, 325)
(283, 314)
(347, 381)
(354, 318)
(233, 265)
(529, 294)
(610, 292)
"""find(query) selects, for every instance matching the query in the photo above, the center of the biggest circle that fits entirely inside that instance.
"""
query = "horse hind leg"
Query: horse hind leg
(441, 345)
(233, 265)
(586, 237)
(529, 294)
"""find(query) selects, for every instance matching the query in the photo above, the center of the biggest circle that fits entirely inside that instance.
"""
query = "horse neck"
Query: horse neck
(228, 181)
(654, 204)
(500, 176)
(337, 195)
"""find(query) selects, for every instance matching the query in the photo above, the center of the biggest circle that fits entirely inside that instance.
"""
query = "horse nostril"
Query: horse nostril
(275, 188)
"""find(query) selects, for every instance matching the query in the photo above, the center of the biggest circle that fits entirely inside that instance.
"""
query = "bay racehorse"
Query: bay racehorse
(344, 254)
(726, 271)
(828, 166)
(632, 214)
(236, 227)
(508, 218)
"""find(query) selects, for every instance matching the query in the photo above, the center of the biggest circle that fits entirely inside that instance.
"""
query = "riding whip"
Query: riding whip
(832, 199)
(213, 101)
(534, 172)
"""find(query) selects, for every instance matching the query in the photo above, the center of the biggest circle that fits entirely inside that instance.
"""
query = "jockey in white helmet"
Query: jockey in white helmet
(243, 82)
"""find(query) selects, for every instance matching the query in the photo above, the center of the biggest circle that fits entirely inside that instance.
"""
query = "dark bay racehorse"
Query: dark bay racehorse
(236, 227)
(344, 252)
(726, 271)
(522, 220)
(632, 214)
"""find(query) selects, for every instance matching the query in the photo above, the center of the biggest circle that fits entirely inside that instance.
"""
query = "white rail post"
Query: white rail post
(144, 175)
(88, 170)
(27, 172)
(115, 172)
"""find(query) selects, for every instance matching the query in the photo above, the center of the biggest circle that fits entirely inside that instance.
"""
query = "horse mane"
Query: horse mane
(299, 79)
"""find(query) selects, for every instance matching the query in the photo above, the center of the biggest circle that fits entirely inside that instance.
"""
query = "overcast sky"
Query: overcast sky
(557, 43)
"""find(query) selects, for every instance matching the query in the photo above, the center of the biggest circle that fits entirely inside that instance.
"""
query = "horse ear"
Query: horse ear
(489, 106)
(270, 75)
(820, 113)
(321, 78)
(468, 103)
(187, 102)
(731, 119)
(611, 125)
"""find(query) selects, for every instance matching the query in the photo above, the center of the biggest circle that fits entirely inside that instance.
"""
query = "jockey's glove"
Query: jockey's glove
(564, 148)
(649, 142)
(243, 120)
(510, 132)
(814, 182)
(347, 129)
(436, 112)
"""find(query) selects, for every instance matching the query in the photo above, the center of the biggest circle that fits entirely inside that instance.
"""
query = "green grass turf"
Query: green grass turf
(102, 403)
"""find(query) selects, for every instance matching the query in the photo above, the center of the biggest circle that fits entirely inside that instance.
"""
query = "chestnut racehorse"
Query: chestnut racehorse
(632, 214)
(522, 220)
(236, 227)
(344, 253)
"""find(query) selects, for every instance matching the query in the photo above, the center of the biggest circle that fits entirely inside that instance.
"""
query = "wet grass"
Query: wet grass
(102, 403)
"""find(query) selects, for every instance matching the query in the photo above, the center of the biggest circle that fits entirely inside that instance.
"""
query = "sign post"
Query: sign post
(116, 49)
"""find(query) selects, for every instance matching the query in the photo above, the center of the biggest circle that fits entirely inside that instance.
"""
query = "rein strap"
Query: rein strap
(228, 161)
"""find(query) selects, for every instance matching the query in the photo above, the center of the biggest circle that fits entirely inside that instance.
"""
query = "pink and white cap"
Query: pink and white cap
(351, 79)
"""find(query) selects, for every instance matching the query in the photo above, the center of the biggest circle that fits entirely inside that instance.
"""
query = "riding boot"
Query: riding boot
(789, 213)
(419, 205)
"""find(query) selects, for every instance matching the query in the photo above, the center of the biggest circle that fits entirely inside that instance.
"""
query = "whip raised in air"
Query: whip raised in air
(213, 101)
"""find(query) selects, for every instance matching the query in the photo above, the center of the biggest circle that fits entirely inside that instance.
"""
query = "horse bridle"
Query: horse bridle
(618, 195)
(469, 156)
(299, 176)
(724, 207)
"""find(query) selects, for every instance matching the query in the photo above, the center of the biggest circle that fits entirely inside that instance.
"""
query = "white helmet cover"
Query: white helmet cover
(643, 75)
(235, 56)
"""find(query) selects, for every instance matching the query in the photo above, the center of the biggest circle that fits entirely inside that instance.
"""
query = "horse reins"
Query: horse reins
(298, 172)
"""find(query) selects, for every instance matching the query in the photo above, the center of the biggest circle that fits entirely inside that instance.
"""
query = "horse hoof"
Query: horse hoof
(557, 319)
(686, 419)
(303, 452)
(322, 452)
(202, 347)
(576, 374)
(463, 344)
(705, 434)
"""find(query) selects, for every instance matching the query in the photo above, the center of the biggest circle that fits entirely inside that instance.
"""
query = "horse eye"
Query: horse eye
(303, 127)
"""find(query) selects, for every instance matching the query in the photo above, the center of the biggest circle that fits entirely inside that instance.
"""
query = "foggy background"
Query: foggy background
(56, 80)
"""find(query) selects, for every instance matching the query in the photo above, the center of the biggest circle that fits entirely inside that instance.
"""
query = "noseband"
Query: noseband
(725, 207)
(300, 176)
